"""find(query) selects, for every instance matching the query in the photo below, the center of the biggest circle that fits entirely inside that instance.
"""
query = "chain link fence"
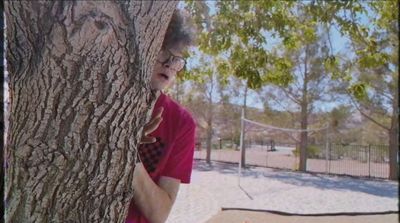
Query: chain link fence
(354, 160)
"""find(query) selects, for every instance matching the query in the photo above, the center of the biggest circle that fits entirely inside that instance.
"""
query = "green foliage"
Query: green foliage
(359, 90)
(339, 116)
(291, 42)
(372, 60)
(194, 74)
(200, 13)
(331, 65)
(278, 77)
(313, 151)
(387, 12)
(223, 72)
(280, 74)
(237, 31)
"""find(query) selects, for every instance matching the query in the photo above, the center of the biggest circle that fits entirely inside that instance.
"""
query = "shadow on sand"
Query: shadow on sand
(382, 188)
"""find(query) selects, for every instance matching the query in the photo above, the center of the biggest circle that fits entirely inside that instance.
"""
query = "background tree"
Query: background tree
(79, 88)
(379, 71)
(236, 35)
(236, 89)
(178, 90)
(227, 113)
(371, 75)
(207, 86)
(310, 83)
(338, 119)
(241, 32)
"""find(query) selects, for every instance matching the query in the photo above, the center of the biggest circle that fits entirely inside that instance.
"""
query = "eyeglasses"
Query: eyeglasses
(176, 63)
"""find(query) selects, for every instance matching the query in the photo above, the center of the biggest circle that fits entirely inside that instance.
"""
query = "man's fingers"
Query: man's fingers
(159, 112)
(147, 140)
(152, 125)
(154, 122)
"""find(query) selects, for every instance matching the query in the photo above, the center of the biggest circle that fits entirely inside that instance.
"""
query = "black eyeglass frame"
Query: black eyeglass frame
(171, 58)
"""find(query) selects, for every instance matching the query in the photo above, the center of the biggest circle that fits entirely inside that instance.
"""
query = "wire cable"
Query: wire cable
(312, 215)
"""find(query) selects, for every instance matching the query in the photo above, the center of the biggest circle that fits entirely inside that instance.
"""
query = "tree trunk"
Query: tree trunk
(393, 154)
(209, 121)
(394, 139)
(3, 113)
(243, 145)
(303, 140)
(208, 142)
(304, 117)
(80, 94)
(178, 91)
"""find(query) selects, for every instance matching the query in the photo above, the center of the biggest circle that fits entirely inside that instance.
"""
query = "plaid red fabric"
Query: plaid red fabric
(151, 154)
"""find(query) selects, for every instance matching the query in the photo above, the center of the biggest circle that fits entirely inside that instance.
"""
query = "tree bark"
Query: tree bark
(80, 94)
(210, 120)
(243, 136)
(394, 153)
(394, 138)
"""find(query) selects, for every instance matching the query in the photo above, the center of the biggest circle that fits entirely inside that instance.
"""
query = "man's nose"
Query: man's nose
(168, 63)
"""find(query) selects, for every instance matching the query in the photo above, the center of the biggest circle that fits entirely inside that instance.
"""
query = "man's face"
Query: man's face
(168, 64)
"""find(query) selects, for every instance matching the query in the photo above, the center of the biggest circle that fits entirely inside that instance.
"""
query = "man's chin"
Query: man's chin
(157, 87)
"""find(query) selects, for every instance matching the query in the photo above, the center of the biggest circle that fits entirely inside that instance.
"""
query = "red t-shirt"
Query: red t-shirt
(172, 154)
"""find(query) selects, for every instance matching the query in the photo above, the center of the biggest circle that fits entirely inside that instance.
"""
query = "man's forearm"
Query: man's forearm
(154, 203)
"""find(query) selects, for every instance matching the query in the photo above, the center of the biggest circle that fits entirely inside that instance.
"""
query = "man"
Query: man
(167, 148)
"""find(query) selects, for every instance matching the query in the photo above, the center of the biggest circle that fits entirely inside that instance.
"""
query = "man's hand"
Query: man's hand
(151, 126)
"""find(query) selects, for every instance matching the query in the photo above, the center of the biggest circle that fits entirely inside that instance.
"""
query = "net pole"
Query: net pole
(326, 149)
(266, 156)
(241, 145)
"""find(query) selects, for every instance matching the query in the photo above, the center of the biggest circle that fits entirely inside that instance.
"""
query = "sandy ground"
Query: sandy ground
(259, 217)
(215, 186)
(294, 192)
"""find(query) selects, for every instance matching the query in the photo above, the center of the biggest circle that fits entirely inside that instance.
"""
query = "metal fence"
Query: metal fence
(357, 160)
(354, 160)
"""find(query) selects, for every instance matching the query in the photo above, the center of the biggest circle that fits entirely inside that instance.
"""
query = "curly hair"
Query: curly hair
(180, 31)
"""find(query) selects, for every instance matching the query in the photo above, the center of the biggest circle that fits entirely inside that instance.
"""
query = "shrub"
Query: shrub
(312, 151)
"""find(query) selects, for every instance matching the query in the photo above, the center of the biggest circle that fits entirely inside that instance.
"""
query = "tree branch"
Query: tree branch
(290, 95)
(365, 115)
